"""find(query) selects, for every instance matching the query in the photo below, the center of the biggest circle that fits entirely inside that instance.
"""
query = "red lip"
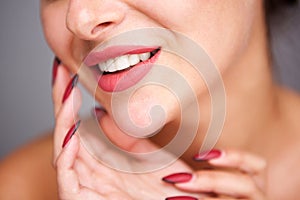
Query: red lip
(111, 52)
(121, 80)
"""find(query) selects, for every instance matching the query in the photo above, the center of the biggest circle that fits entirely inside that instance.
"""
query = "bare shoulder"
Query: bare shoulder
(28, 174)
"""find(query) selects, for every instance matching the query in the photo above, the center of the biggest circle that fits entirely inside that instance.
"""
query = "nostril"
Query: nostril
(101, 27)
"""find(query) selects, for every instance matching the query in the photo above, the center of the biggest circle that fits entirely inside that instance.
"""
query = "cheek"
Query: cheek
(56, 34)
(220, 27)
(227, 33)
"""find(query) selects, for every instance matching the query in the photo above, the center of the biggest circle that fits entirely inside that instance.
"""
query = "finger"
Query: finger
(223, 183)
(67, 177)
(87, 177)
(243, 161)
(89, 194)
(66, 118)
(221, 198)
(194, 198)
(61, 81)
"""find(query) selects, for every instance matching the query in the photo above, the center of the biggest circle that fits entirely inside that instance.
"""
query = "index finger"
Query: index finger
(241, 160)
(61, 81)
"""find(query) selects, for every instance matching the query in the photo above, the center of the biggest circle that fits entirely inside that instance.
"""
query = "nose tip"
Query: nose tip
(88, 21)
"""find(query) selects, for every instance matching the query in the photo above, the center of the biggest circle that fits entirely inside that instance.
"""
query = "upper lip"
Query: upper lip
(94, 58)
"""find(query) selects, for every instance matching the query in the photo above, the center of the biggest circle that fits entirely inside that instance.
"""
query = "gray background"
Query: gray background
(26, 64)
(25, 61)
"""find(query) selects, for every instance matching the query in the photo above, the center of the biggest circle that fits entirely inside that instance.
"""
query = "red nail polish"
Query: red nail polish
(70, 87)
(56, 63)
(70, 133)
(181, 198)
(208, 155)
(178, 178)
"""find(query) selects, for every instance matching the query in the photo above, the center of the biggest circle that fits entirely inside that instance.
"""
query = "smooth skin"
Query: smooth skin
(75, 167)
(260, 139)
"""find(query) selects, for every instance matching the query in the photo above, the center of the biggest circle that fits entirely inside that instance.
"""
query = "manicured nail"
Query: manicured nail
(70, 133)
(70, 87)
(56, 63)
(208, 155)
(181, 198)
(99, 112)
(178, 178)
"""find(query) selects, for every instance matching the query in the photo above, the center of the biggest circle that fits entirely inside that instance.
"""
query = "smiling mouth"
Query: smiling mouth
(119, 67)
(124, 62)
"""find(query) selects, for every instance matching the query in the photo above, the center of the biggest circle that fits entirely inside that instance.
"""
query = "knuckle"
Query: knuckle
(250, 187)
(58, 163)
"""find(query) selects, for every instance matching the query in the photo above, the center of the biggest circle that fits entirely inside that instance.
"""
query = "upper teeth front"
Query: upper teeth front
(123, 62)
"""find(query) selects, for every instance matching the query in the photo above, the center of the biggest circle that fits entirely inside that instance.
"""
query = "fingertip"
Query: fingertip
(61, 80)
(190, 185)
(73, 145)
(72, 103)
(71, 133)
(62, 77)
(69, 88)
(221, 159)
(208, 155)
(69, 109)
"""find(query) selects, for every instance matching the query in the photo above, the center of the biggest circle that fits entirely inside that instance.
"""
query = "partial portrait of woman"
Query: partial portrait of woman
(256, 155)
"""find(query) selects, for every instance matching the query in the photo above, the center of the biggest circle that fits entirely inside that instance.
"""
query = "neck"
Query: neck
(251, 94)
(251, 103)
(252, 97)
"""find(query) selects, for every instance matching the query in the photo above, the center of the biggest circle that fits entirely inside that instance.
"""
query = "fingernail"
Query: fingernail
(178, 178)
(208, 155)
(181, 198)
(70, 133)
(56, 63)
(70, 87)
(99, 112)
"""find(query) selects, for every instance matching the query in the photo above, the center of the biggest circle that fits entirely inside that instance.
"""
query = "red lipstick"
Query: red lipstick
(111, 52)
(122, 79)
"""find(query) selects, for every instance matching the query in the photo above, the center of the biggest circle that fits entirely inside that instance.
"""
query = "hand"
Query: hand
(238, 175)
(79, 175)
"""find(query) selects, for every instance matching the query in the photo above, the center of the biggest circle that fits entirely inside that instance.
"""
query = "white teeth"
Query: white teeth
(123, 62)
(144, 56)
(109, 62)
(102, 66)
(134, 59)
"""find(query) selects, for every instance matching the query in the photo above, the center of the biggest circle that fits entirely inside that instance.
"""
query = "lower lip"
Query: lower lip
(124, 79)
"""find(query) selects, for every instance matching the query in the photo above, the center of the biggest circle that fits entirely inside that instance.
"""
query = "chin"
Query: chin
(146, 111)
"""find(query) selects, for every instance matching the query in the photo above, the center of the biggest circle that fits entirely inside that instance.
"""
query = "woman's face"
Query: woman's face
(224, 28)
